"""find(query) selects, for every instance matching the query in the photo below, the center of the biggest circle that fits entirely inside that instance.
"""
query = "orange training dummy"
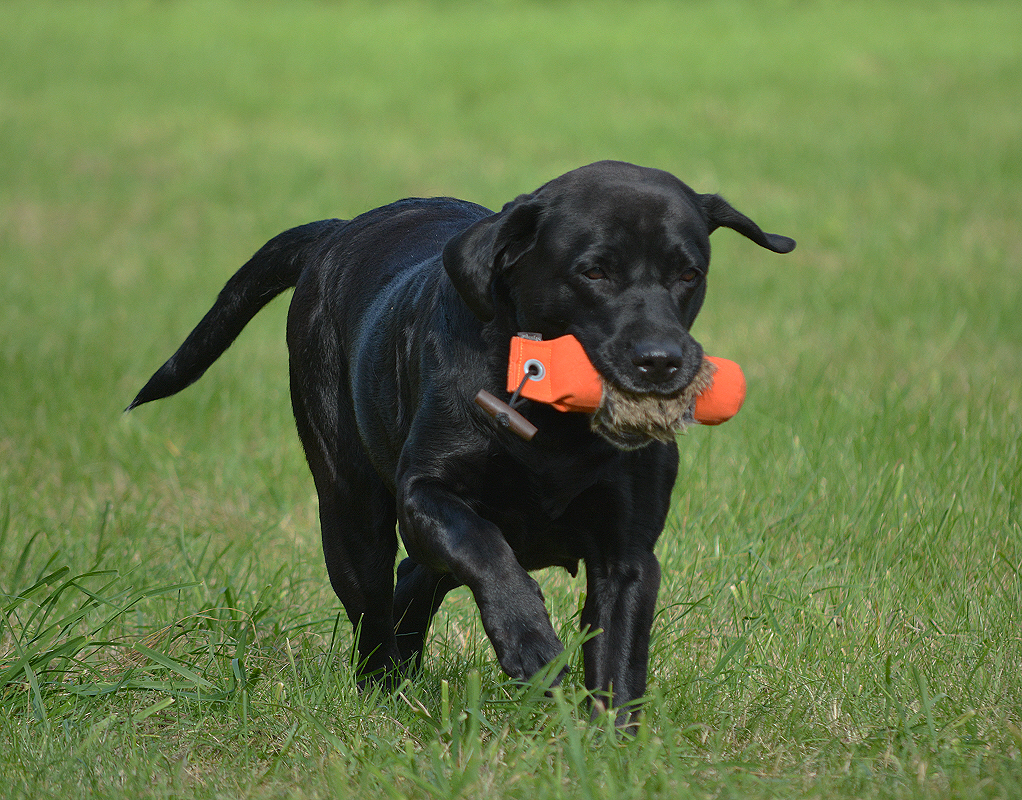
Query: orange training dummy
(561, 375)
(725, 396)
(558, 372)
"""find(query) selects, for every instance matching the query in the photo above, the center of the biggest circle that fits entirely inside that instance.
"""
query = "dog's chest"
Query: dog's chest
(535, 505)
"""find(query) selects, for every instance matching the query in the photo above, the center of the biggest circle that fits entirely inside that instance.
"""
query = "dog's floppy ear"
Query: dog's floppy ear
(719, 213)
(478, 254)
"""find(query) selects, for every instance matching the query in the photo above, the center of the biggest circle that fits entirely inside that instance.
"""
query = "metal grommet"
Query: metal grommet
(534, 369)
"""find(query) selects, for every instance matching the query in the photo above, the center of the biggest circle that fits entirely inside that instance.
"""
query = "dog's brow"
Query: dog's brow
(693, 254)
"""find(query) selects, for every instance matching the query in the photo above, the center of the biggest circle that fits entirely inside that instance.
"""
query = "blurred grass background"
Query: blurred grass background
(840, 609)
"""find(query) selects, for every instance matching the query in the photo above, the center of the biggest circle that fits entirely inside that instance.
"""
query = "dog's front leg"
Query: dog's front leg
(620, 603)
(443, 533)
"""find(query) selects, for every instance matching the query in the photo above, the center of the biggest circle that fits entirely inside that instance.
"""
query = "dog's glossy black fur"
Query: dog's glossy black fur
(399, 317)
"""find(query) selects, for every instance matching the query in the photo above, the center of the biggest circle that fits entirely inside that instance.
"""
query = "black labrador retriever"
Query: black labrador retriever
(400, 316)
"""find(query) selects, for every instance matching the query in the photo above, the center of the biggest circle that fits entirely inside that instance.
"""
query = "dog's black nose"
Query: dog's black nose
(657, 362)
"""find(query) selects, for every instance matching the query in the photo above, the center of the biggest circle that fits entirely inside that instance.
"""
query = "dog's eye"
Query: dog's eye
(690, 275)
(595, 274)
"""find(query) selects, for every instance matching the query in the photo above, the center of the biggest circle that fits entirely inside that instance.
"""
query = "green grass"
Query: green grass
(840, 612)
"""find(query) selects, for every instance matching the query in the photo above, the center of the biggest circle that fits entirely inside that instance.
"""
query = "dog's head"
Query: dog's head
(616, 255)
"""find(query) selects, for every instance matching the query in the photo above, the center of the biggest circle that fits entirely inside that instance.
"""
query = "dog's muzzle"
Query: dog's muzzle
(630, 420)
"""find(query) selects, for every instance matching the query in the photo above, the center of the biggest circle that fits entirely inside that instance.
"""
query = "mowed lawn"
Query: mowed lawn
(840, 610)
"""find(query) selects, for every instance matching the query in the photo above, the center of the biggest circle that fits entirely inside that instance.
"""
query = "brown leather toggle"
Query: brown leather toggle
(506, 416)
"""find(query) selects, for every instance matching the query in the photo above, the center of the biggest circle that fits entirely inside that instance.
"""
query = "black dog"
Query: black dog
(399, 317)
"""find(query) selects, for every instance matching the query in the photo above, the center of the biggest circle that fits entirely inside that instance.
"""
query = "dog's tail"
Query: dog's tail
(274, 269)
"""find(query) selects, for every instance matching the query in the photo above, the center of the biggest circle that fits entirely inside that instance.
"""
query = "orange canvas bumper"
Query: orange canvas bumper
(562, 376)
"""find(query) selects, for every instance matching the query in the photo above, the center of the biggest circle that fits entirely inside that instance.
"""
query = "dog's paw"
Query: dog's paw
(532, 654)
(517, 623)
(524, 647)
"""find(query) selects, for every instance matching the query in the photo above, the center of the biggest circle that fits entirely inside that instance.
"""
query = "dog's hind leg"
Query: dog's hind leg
(356, 511)
(357, 519)
(419, 593)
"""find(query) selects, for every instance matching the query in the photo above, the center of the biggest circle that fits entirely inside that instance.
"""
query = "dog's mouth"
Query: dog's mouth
(630, 420)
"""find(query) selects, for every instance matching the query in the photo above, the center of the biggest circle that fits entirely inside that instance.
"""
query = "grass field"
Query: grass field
(840, 612)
